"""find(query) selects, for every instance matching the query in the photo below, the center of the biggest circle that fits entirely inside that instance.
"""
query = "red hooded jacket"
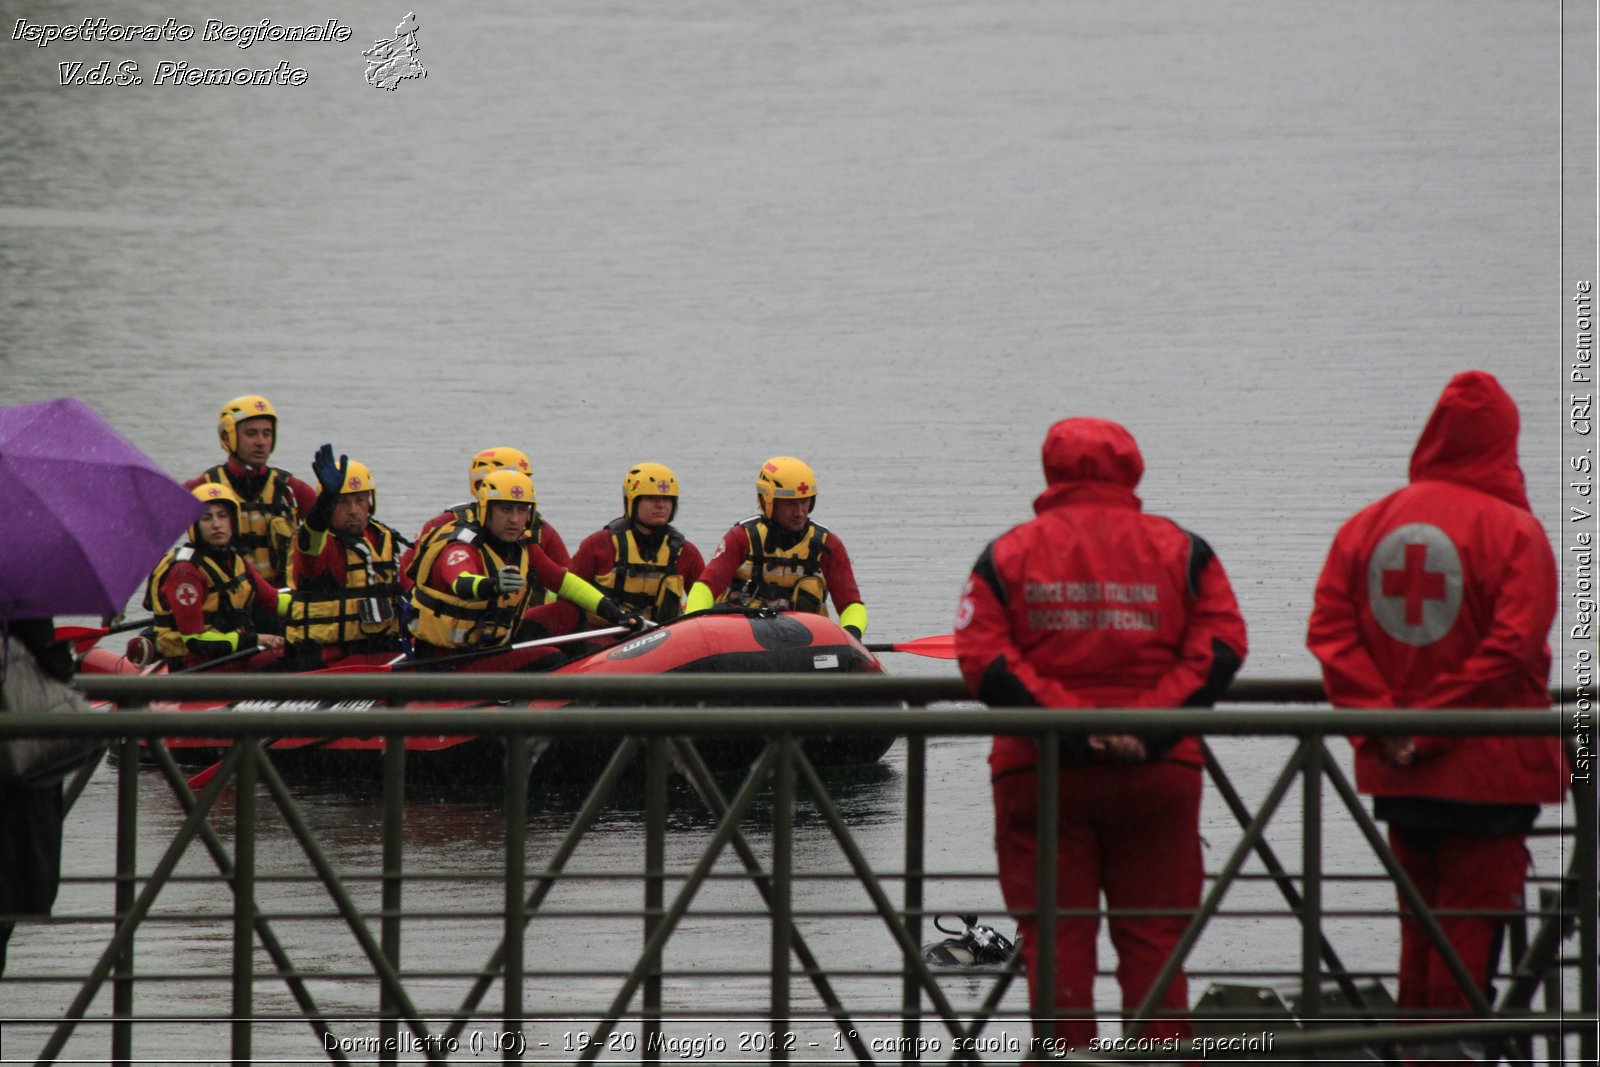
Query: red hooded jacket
(1094, 603)
(1441, 595)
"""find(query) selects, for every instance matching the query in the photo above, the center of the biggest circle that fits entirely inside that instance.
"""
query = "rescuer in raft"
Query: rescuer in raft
(640, 559)
(342, 573)
(202, 592)
(271, 500)
(474, 580)
(780, 558)
(540, 532)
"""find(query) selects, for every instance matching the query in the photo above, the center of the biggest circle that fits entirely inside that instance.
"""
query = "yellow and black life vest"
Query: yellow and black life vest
(267, 524)
(364, 609)
(462, 514)
(783, 579)
(651, 587)
(226, 604)
(445, 620)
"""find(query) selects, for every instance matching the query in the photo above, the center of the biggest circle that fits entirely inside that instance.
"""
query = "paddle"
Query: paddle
(400, 663)
(202, 778)
(231, 657)
(939, 646)
(83, 638)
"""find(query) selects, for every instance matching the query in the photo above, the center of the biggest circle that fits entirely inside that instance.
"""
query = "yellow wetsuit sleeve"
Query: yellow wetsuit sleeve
(700, 598)
(312, 540)
(855, 615)
(580, 592)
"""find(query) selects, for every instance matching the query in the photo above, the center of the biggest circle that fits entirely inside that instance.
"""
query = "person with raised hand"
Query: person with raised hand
(780, 558)
(345, 591)
(474, 579)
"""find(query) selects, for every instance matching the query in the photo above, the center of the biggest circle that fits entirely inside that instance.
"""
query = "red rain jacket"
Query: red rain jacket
(1093, 603)
(1441, 595)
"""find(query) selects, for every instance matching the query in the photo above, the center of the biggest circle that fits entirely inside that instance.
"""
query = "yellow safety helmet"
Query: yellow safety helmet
(509, 485)
(649, 479)
(494, 459)
(238, 410)
(358, 479)
(215, 493)
(784, 478)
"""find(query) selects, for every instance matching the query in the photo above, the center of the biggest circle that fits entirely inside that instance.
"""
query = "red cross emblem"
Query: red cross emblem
(516, 492)
(214, 492)
(802, 488)
(524, 466)
(187, 595)
(663, 487)
(1415, 583)
(355, 483)
(261, 405)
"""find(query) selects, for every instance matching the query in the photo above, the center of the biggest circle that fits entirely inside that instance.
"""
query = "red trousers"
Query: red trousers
(1455, 871)
(1132, 831)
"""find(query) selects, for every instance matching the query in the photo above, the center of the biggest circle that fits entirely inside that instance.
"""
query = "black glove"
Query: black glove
(853, 632)
(613, 613)
(330, 475)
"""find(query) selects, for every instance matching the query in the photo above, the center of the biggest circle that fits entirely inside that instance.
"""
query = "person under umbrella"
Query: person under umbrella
(201, 592)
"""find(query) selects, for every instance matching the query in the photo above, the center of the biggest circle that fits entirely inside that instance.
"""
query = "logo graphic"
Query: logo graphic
(663, 486)
(1414, 584)
(355, 483)
(393, 61)
(186, 594)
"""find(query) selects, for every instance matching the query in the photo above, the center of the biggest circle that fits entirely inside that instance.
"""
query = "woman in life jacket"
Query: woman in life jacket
(202, 592)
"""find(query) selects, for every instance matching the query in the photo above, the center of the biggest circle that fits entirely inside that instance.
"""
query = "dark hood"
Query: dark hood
(1471, 439)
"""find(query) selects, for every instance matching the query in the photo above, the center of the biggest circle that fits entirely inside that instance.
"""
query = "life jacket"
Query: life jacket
(226, 606)
(267, 524)
(783, 579)
(364, 609)
(444, 620)
(462, 514)
(651, 587)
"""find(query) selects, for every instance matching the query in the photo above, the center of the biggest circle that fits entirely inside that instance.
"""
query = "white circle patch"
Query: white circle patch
(1414, 584)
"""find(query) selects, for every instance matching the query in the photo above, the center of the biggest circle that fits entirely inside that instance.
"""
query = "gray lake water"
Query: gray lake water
(896, 239)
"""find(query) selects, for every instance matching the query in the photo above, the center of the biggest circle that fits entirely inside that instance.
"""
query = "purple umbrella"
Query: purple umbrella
(84, 515)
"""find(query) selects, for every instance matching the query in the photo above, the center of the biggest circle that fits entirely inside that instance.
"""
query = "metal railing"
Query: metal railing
(887, 1005)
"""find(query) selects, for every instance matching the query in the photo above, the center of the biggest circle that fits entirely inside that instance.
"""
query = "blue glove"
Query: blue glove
(329, 475)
